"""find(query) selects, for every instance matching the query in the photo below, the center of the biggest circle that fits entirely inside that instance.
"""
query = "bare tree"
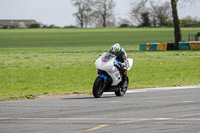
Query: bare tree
(176, 21)
(162, 13)
(96, 19)
(139, 7)
(159, 14)
(83, 11)
(105, 9)
(111, 21)
(88, 13)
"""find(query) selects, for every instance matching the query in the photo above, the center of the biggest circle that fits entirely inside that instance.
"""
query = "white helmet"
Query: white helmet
(116, 48)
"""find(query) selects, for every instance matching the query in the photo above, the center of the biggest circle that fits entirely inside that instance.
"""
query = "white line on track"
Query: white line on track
(159, 89)
(87, 119)
(107, 119)
(189, 119)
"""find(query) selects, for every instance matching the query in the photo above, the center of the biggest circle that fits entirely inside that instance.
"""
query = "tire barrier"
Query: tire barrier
(165, 46)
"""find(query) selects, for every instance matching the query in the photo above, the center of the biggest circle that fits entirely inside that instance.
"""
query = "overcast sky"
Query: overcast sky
(60, 12)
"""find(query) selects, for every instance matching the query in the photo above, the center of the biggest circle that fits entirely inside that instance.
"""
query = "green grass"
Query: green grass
(163, 69)
(61, 61)
(87, 37)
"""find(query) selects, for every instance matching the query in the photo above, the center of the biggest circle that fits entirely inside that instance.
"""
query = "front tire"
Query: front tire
(122, 91)
(98, 87)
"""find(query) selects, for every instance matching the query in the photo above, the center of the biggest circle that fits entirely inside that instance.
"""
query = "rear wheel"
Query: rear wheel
(122, 91)
(98, 88)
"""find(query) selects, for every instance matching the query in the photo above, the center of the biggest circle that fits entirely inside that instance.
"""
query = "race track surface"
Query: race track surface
(160, 110)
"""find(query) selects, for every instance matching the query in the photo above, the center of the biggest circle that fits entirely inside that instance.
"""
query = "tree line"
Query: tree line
(101, 12)
(94, 12)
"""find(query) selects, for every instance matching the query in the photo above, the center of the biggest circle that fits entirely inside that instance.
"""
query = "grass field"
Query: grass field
(61, 61)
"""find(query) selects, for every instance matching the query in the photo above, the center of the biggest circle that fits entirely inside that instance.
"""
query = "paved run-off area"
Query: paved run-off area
(160, 110)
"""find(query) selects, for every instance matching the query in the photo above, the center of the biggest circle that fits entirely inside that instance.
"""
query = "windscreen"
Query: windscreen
(107, 57)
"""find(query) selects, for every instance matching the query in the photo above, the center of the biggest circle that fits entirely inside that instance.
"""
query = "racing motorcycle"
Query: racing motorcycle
(109, 77)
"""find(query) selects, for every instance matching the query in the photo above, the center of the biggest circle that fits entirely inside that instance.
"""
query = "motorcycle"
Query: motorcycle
(109, 77)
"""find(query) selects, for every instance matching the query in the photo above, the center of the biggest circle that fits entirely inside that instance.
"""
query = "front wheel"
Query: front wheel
(98, 87)
(122, 91)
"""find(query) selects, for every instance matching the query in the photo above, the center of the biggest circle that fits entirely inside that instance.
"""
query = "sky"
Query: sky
(60, 12)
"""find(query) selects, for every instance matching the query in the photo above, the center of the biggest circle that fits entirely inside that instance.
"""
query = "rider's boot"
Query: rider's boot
(123, 85)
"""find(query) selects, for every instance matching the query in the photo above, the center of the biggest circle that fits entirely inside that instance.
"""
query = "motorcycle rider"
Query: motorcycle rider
(121, 55)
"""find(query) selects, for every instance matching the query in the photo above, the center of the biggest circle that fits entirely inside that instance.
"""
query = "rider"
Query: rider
(121, 55)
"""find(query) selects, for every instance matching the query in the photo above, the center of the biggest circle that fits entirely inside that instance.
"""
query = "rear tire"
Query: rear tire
(122, 91)
(98, 87)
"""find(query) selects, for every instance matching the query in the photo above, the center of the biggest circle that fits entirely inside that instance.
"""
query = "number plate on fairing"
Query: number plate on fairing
(117, 75)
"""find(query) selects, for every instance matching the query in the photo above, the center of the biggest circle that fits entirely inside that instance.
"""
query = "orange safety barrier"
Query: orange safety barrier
(148, 47)
(195, 45)
(162, 46)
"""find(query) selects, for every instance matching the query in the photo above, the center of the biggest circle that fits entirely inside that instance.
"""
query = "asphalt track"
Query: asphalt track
(159, 110)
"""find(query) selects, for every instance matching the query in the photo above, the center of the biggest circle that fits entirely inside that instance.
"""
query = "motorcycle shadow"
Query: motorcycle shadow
(88, 97)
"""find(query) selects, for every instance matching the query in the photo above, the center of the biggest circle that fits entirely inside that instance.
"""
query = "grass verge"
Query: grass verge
(31, 72)
(58, 66)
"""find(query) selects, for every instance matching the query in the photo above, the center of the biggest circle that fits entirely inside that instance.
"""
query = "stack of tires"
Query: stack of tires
(157, 46)
(190, 45)
(193, 45)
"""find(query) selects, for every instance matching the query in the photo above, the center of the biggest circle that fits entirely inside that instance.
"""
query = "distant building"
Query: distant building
(16, 23)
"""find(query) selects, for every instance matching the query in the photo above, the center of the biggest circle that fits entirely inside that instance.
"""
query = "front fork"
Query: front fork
(105, 79)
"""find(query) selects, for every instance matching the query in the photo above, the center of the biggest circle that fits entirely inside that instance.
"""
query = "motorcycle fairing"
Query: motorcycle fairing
(106, 63)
